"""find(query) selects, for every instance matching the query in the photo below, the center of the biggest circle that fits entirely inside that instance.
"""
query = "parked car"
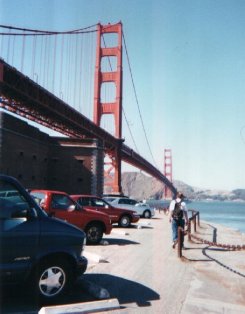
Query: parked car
(123, 216)
(60, 204)
(36, 249)
(111, 197)
(143, 209)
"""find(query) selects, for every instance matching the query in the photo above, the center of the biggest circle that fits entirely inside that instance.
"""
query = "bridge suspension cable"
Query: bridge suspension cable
(137, 102)
(37, 84)
(58, 61)
(124, 114)
(31, 32)
(52, 65)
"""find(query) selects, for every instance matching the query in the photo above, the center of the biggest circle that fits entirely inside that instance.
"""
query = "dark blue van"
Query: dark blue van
(35, 248)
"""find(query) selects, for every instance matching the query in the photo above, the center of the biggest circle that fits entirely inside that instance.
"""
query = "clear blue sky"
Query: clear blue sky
(188, 63)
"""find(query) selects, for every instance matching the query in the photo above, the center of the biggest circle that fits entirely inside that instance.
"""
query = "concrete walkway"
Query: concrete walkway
(216, 275)
(218, 282)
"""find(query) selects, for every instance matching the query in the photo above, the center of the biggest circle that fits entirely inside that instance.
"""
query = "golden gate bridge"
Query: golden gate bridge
(45, 77)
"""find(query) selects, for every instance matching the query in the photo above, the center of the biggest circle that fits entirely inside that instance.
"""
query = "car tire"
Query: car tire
(94, 233)
(124, 221)
(147, 214)
(52, 279)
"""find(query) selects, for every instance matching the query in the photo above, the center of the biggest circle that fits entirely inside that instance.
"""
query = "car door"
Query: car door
(64, 208)
(101, 205)
(19, 233)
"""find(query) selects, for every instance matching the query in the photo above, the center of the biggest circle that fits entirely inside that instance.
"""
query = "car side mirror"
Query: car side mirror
(71, 208)
(23, 213)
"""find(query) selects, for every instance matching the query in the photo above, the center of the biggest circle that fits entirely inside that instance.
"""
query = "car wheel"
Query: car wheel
(124, 221)
(53, 278)
(94, 234)
(147, 214)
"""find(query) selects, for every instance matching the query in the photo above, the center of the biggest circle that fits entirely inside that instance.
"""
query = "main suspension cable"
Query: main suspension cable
(124, 114)
(32, 32)
(137, 102)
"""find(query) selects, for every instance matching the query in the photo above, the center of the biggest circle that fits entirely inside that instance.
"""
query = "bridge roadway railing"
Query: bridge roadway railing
(23, 96)
(195, 221)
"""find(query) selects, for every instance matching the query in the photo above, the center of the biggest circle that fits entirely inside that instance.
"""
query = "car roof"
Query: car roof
(48, 191)
(114, 195)
(84, 195)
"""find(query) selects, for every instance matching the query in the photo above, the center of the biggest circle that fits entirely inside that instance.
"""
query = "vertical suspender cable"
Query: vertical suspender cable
(23, 52)
(34, 55)
(89, 77)
(13, 50)
(54, 62)
(44, 60)
(8, 50)
(48, 62)
(68, 69)
(75, 76)
(41, 57)
(61, 65)
(80, 77)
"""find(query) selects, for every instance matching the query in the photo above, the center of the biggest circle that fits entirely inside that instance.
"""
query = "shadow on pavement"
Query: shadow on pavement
(126, 291)
(19, 300)
(115, 241)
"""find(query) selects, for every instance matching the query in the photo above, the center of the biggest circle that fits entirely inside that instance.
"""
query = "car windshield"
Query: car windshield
(127, 201)
(60, 201)
(12, 202)
(93, 201)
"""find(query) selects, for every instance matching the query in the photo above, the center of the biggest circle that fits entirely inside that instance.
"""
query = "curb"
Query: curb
(110, 304)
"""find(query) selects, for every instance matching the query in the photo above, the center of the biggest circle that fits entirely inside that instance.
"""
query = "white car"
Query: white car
(142, 209)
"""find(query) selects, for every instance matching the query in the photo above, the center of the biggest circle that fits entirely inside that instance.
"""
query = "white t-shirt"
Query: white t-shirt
(172, 205)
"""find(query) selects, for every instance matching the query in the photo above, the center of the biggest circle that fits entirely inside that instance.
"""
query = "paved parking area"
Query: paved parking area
(138, 267)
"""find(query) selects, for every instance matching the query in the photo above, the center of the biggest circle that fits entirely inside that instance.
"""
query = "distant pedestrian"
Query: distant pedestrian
(177, 216)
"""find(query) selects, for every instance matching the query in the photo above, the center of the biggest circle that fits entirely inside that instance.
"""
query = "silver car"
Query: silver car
(142, 209)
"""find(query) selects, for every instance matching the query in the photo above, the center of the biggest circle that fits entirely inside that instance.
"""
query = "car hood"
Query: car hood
(93, 212)
(56, 225)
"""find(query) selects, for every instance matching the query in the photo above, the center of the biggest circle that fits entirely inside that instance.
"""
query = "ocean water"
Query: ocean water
(229, 214)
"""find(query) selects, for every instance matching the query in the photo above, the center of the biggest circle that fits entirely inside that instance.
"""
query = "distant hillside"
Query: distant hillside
(139, 186)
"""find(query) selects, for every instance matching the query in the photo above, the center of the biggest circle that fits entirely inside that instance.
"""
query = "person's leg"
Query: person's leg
(174, 232)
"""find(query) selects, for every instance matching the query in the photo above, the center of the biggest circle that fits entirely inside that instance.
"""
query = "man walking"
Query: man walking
(177, 210)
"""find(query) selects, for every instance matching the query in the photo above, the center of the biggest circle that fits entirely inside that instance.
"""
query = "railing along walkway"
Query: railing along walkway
(195, 221)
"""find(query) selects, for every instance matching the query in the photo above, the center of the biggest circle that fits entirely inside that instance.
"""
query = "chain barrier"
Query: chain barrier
(225, 246)
(222, 264)
(195, 219)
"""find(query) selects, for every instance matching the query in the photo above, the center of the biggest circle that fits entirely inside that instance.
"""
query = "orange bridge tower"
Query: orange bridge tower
(114, 107)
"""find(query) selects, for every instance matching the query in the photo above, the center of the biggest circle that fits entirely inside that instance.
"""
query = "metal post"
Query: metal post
(189, 230)
(180, 241)
(195, 225)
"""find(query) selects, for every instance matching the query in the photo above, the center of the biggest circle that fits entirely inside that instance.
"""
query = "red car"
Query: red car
(60, 205)
(124, 217)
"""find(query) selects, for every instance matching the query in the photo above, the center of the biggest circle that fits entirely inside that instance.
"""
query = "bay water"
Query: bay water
(229, 214)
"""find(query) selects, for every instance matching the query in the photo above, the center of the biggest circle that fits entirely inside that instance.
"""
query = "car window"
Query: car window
(12, 203)
(110, 199)
(98, 202)
(60, 201)
(38, 196)
(122, 201)
(84, 201)
(132, 202)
